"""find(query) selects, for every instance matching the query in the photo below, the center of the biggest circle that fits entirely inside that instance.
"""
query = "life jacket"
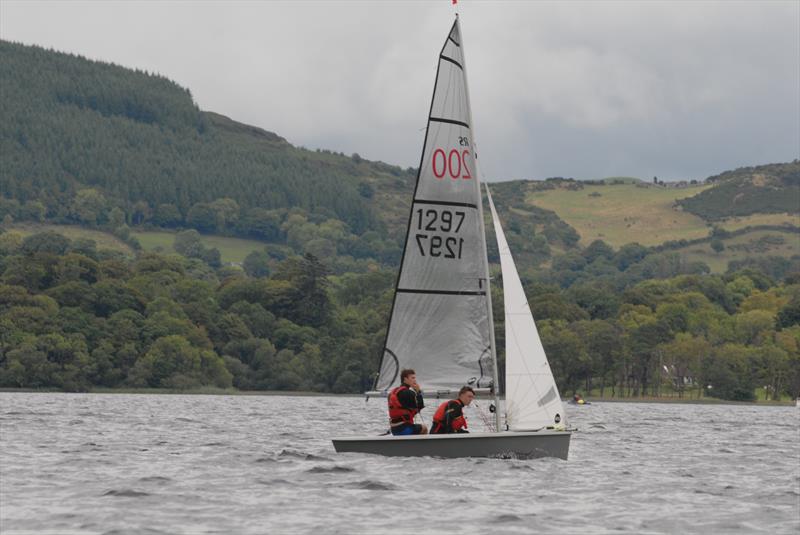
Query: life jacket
(439, 417)
(398, 414)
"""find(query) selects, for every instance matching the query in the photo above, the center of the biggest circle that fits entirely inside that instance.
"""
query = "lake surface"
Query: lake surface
(115, 463)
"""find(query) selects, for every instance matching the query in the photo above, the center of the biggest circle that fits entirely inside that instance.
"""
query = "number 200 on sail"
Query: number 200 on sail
(453, 163)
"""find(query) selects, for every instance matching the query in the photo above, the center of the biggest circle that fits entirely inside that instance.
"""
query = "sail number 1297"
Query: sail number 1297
(443, 221)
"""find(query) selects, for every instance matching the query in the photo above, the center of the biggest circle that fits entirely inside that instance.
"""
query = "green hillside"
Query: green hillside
(771, 189)
(108, 175)
(98, 145)
(69, 124)
(620, 213)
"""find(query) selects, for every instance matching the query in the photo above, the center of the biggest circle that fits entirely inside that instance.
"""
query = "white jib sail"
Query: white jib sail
(439, 321)
(532, 399)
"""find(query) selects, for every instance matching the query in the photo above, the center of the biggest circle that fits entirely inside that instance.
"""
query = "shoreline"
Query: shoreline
(300, 393)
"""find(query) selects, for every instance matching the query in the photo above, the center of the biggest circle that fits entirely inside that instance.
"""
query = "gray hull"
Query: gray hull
(509, 444)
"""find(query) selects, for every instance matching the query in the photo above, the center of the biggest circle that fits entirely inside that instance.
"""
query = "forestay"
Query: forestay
(439, 321)
(532, 398)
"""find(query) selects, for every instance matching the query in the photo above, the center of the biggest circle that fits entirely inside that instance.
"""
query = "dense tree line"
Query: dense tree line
(638, 321)
(73, 317)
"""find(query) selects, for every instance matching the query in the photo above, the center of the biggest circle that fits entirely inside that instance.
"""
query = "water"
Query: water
(87, 463)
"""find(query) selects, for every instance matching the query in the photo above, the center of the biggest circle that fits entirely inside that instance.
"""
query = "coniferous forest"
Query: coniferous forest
(100, 146)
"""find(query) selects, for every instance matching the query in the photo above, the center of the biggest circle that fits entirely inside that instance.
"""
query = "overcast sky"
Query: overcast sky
(675, 89)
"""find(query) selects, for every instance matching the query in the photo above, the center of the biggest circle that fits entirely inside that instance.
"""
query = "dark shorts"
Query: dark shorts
(407, 429)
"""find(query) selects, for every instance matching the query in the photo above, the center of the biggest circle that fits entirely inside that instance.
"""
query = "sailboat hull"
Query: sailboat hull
(509, 444)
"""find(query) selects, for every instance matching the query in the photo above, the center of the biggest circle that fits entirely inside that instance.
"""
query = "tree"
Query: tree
(598, 249)
(642, 342)
(308, 277)
(167, 215)
(567, 354)
(33, 211)
(10, 243)
(226, 213)
(603, 348)
(726, 373)
(141, 212)
(260, 223)
(27, 366)
(789, 315)
(256, 264)
(600, 302)
(45, 242)
(89, 206)
(630, 254)
(751, 325)
(202, 217)
(188, 243)
(681, 359)
(172, 362)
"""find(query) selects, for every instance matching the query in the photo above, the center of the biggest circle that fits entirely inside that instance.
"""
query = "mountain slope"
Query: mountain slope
(67, 123)
(772, 188)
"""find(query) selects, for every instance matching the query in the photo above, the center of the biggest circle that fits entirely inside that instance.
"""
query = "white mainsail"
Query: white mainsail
(439, 323)
(532, 399)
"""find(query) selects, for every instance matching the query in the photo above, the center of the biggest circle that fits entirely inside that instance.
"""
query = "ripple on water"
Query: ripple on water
(275, 482)
(368, 485)
(293, 454)
(138, 531)
(331, 470)
(126, 493)
(505, 518)
(155, 479)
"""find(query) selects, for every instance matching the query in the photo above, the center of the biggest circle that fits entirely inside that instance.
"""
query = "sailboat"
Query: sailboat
(441, 321)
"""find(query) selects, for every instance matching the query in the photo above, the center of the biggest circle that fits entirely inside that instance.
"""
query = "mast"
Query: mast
(495, 373)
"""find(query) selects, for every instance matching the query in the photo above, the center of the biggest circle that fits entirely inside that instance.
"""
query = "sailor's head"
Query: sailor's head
(466, 395)
(408, 377)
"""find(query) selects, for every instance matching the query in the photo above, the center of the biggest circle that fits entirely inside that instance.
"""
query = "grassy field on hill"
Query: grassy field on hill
(104, 240)
(755, 243)
(624, 213)
(231, 249)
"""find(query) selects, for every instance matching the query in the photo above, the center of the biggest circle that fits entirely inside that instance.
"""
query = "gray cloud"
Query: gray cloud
(583, 89)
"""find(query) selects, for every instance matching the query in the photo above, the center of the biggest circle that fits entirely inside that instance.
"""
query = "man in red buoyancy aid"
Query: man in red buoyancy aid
(449, 417)
(405, 402)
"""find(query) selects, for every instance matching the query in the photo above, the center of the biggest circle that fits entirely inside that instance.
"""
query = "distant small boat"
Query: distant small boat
(441, 318)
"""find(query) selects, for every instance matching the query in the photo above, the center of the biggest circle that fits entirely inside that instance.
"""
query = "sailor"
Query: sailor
(577, 399)
(449, 417)
(405, 402)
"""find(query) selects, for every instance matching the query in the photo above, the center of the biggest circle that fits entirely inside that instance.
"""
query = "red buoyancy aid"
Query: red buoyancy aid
(397, 413)
(456, 424)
